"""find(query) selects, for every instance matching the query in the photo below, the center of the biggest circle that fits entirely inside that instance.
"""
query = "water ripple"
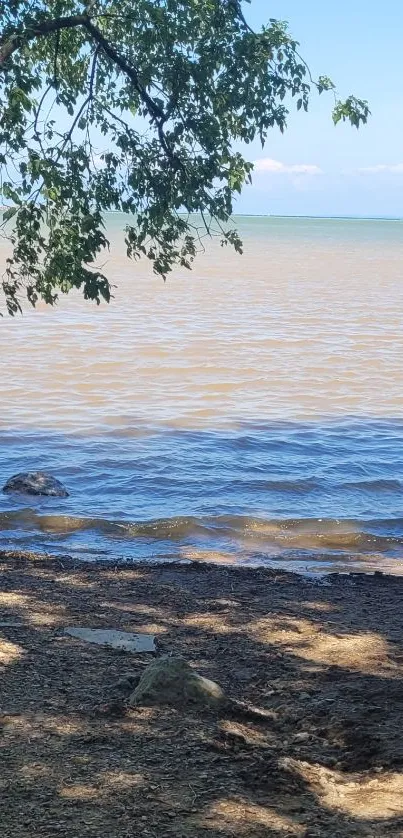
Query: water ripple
(259, 389)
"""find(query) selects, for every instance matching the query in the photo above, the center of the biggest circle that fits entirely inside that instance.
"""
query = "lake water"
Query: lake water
(250, 411)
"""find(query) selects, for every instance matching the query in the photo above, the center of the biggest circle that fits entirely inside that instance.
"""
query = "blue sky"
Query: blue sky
(316, 168)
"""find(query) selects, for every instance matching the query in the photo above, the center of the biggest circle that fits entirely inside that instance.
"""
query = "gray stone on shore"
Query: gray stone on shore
(172, 681)
(36, 483)
(13, 624)
(127, 641)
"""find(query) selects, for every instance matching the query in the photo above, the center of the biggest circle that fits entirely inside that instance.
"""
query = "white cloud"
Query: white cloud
(266, 164)
(396, 169)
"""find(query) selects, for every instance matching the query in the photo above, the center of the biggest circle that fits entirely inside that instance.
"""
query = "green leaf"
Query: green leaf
(9, 213)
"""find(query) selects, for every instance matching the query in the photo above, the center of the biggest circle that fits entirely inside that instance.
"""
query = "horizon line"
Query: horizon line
(282, 215)
(322, 217)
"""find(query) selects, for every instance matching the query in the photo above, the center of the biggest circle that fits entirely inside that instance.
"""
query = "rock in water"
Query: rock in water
(173, 681)
(36, 483)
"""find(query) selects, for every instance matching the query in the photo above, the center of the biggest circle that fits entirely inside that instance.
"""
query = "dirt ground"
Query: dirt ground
(323, 660)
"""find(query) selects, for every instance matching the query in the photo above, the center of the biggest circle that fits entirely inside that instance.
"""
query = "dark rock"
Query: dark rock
(36, 483)
(172, 681)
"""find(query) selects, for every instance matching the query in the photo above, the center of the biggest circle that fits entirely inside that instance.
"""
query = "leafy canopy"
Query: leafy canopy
(132, 105)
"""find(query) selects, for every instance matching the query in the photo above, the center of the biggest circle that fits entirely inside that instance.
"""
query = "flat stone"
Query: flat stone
(36, 483)
(125, 640)
(12, 624)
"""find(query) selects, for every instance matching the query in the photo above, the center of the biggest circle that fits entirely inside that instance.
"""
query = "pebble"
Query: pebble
(301, 737)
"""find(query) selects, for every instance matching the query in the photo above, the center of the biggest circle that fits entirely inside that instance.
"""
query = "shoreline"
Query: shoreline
(319, 576)
(323, 660)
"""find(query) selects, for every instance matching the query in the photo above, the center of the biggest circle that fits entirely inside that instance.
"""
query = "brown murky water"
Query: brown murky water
(249, 411)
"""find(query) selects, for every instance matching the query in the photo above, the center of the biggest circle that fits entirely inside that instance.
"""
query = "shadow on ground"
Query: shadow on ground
(323, 660)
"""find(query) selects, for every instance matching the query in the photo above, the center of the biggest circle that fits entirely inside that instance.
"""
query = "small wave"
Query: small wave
(376, 485)
(301, 485)
(244, 533)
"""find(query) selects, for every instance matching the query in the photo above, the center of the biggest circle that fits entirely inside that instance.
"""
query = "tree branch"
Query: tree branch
(158, 115)
(130, 71)
(236, 5)
(45, 27)
(81, 110)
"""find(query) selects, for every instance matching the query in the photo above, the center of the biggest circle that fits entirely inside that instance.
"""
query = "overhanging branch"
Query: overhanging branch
(112, 53)
(45, 27)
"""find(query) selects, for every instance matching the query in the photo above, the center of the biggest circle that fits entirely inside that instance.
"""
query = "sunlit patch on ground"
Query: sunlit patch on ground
(32, 610)
(108, 783)
(239, 817)
(320, 758)
(315, 642)
(9, 652)
(373, 796)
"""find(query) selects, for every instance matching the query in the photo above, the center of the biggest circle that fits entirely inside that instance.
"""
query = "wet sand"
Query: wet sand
(322, 659)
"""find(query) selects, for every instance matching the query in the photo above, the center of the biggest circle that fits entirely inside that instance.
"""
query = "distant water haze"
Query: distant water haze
(248, 411)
